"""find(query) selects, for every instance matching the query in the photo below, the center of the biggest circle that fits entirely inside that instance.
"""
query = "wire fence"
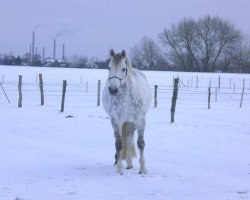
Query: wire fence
(78, 92)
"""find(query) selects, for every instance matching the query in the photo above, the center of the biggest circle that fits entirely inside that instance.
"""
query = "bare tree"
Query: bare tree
(198, 45)
(92, 63)
(137, 57)
(237, 58)
(79, 61)
(180, 42)
(215, 36)
(147, 55)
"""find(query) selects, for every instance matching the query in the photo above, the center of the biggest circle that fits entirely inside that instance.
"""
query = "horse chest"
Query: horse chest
(122, 106)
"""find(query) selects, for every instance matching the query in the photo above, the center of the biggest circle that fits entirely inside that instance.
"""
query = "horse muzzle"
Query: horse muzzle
(113, 91)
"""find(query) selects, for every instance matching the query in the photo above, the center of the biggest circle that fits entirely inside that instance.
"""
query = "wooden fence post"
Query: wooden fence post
(87, 86)
(174, 98)
(63, 94)
(99, 93)
(210, 82)
(41, 88)
(155, 96)
(20, 91)
(242, 94)
(179, 80)
(197, 81)
(216, 94)
(219, 83)
(209, 96)
(2, 79)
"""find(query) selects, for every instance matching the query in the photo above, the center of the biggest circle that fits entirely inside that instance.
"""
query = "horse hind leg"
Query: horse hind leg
(141, 145)
(129, 152)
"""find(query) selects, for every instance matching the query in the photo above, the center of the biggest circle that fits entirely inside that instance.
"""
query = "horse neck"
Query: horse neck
(129, 75)
(132, 82)
(130, 70)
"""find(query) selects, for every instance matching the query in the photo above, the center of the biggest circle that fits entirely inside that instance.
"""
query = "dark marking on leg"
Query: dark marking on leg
(141, 145)
(140, 142)
(116, 160)
(118, 146)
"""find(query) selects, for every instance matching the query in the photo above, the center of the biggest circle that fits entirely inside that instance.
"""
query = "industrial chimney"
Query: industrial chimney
(43, 53)
(54, 52)
(30, 50)
(63, 52)
(33, 44)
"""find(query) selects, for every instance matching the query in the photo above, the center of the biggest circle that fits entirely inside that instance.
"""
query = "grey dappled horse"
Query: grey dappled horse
(126, 99)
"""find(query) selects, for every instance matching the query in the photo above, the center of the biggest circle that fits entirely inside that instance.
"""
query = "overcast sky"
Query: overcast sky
(91, 27)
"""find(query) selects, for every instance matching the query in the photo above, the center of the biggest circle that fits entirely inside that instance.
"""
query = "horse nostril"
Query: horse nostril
(113, 91)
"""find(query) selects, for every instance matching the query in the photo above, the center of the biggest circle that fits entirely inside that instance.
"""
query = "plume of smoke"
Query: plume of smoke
(63, 33)
(65, 28)
(40, 25)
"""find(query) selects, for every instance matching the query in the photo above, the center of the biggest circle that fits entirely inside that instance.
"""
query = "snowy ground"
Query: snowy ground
(204, 155)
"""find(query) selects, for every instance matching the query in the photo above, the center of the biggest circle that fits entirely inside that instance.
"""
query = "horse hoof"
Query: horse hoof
(129, 167)
(120, 172)
(142, 172)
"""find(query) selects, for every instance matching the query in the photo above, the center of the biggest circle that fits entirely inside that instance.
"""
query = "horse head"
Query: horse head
(118, 71)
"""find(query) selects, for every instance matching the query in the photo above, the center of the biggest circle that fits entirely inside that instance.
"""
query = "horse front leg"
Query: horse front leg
(118, 156)
(141, 145)
(118, 146)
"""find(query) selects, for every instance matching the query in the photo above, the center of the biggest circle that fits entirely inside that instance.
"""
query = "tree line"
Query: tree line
(208, 44)
(74, 61)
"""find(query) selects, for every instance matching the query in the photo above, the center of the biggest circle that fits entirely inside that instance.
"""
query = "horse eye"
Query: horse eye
(123, 69)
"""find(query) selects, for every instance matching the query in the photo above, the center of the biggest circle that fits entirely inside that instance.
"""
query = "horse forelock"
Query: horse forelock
(116, 60)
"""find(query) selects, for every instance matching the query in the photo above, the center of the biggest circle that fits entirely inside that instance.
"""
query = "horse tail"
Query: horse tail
(125, 131)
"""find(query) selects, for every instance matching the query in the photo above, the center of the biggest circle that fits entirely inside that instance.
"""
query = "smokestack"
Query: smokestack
(43, 53)
(30, 50)
(54, 54)
(33, 44)
(36, 51)
(63, 53)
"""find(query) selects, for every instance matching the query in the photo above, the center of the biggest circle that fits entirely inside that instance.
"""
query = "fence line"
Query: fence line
(160, 87)
(162, 93)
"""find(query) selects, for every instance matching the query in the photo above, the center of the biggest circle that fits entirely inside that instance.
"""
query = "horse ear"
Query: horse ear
(111, 52)
(123, 53)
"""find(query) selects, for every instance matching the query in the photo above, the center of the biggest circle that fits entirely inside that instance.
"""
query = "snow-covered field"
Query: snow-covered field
(204, 155)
